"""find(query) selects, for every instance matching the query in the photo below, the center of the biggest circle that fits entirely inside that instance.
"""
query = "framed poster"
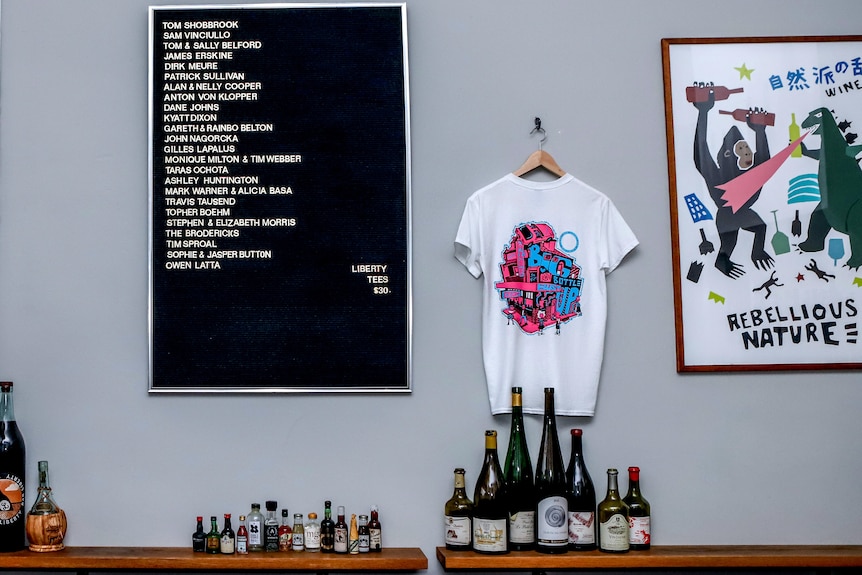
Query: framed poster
(766, 201)
(279, 198)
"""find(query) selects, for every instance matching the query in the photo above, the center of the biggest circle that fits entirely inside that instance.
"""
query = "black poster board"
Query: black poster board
(279, 198)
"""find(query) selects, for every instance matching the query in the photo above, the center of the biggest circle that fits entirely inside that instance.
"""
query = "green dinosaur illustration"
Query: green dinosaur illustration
(840, 180)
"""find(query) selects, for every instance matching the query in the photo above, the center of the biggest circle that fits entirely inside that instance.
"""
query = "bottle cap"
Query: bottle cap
(242, 517)
(341, 509)
(255, 505)
(374, 509)
(327, 503)
(271, 505)
(284, 512)
(312, 515)
(577, 432)
(297, 516)
(200, 518)
(227, 515)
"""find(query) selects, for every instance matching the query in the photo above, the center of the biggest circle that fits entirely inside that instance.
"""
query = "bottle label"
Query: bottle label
(254, 529)
(312, 537)
(376, 538)
(364, 542)
(552, 527)
(270, 537)
(298, 541)
(228, 544)
(582, 527)
(340, 540)
(457, 530)
(12, 504)
(614, 533)
(241, 544)
(639, 530)
(489, 534)
(522, 527)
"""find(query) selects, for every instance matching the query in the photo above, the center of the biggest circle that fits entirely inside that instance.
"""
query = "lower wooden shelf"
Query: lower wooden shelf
(86, 559)
(664, 557)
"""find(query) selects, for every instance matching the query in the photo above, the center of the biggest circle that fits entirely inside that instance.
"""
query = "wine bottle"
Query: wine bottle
(758, 117)
(458, 516)
(552, 529)
(213, 537)
(327, 529)
(339, 543)
(794, 132)
(701, 93)
(582, 498)
(375, 530)
(639, 532)
(12, 465)
(613, 519)
(227, 544)
(489, 503)
(199, 537)
(518, 479)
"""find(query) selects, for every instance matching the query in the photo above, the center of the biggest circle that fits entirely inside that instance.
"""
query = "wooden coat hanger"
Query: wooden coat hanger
(540, 158)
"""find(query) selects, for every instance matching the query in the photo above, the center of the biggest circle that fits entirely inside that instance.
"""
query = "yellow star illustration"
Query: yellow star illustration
(744, 72)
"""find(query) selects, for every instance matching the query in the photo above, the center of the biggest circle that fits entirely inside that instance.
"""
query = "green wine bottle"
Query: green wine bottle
(518, 478)
(639, 533)
(613, 519)
(552, 508)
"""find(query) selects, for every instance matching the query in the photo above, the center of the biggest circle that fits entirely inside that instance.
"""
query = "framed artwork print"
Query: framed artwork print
(765, 200)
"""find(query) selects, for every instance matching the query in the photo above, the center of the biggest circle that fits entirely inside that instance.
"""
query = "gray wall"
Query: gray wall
(726, 458)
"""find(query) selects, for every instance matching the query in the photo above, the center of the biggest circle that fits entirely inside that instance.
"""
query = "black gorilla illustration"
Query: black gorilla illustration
(734, 158)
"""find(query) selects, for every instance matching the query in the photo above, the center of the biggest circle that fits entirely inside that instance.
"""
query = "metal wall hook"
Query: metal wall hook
(538, 122)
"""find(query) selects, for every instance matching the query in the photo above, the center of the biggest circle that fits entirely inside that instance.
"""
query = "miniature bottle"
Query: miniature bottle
(46, 522)
(255, 528)
(199, 537)
(227, 544)
(285, 533)
(353, 537)
(213, 537)
(341, 534)
(298, 541)
(327, 529)
(364, 535)
(242, 537)
(312, 533)
(375, 530)
(270, 527)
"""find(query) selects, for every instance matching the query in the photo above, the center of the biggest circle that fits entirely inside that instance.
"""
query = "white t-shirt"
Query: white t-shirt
(544, 249)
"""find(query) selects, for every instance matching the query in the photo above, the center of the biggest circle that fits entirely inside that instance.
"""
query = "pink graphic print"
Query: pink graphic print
(541, 285)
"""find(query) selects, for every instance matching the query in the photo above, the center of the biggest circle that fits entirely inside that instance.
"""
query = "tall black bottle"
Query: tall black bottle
(12, 465)
(552, 526)
(582, 498)
(518, 477)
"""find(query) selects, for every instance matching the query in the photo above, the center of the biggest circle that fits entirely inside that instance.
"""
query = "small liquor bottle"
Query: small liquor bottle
(341, 535)
(255, 528)
(312, 533)
(242, 537)
(228, 537)
(327, 529)
(285, 533)
(375, 530)
(270, 527)
(298, 533)
(353, 537)
(213, 537)
(364, 535)
(199, 537)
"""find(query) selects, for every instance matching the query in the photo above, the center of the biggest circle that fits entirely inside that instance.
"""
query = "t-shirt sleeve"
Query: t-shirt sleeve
(619, 238)
(468, 241)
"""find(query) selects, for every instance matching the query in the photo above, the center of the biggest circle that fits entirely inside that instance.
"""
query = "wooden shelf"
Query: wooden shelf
(664, 557)
(85, 559)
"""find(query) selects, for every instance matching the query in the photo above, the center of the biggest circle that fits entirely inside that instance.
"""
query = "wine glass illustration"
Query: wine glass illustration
(836, 249)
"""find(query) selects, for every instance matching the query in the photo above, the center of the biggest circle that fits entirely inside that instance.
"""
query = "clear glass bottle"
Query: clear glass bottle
(458, 516)
(270, 527)
(639, 513)
(518, 477)
(582, 498)
(341, 534)
(255, 528)
(327, 529)
(613, 518)
(213, 537)
(490, 516)
(285, 533)
(312, 533)
(46, 522)
(199, 537)
(364, 535)
(375, 530)
(552, 508)
(228, 538)
(242, 537)
(12, 467)
(298, 533)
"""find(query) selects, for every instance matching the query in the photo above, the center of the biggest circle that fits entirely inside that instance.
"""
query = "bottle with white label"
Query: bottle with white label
(490, 514)
(552, 509)
(458, 516)
(518, 476)
(639, 532)
(582, 498)
(312, 533)
(255, 528)
(613, 519)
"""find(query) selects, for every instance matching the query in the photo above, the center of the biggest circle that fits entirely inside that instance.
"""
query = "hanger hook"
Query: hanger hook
(538, 122)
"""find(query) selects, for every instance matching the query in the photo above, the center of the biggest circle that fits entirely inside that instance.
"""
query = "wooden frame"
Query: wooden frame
(764, 177)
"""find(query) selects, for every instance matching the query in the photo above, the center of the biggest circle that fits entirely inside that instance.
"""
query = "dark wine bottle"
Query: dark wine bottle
(552, 529)
(12, 466)
(518, 478)
(490, 515)
(613, 517)
(582, 498)
(458, 516)
(639, 532)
